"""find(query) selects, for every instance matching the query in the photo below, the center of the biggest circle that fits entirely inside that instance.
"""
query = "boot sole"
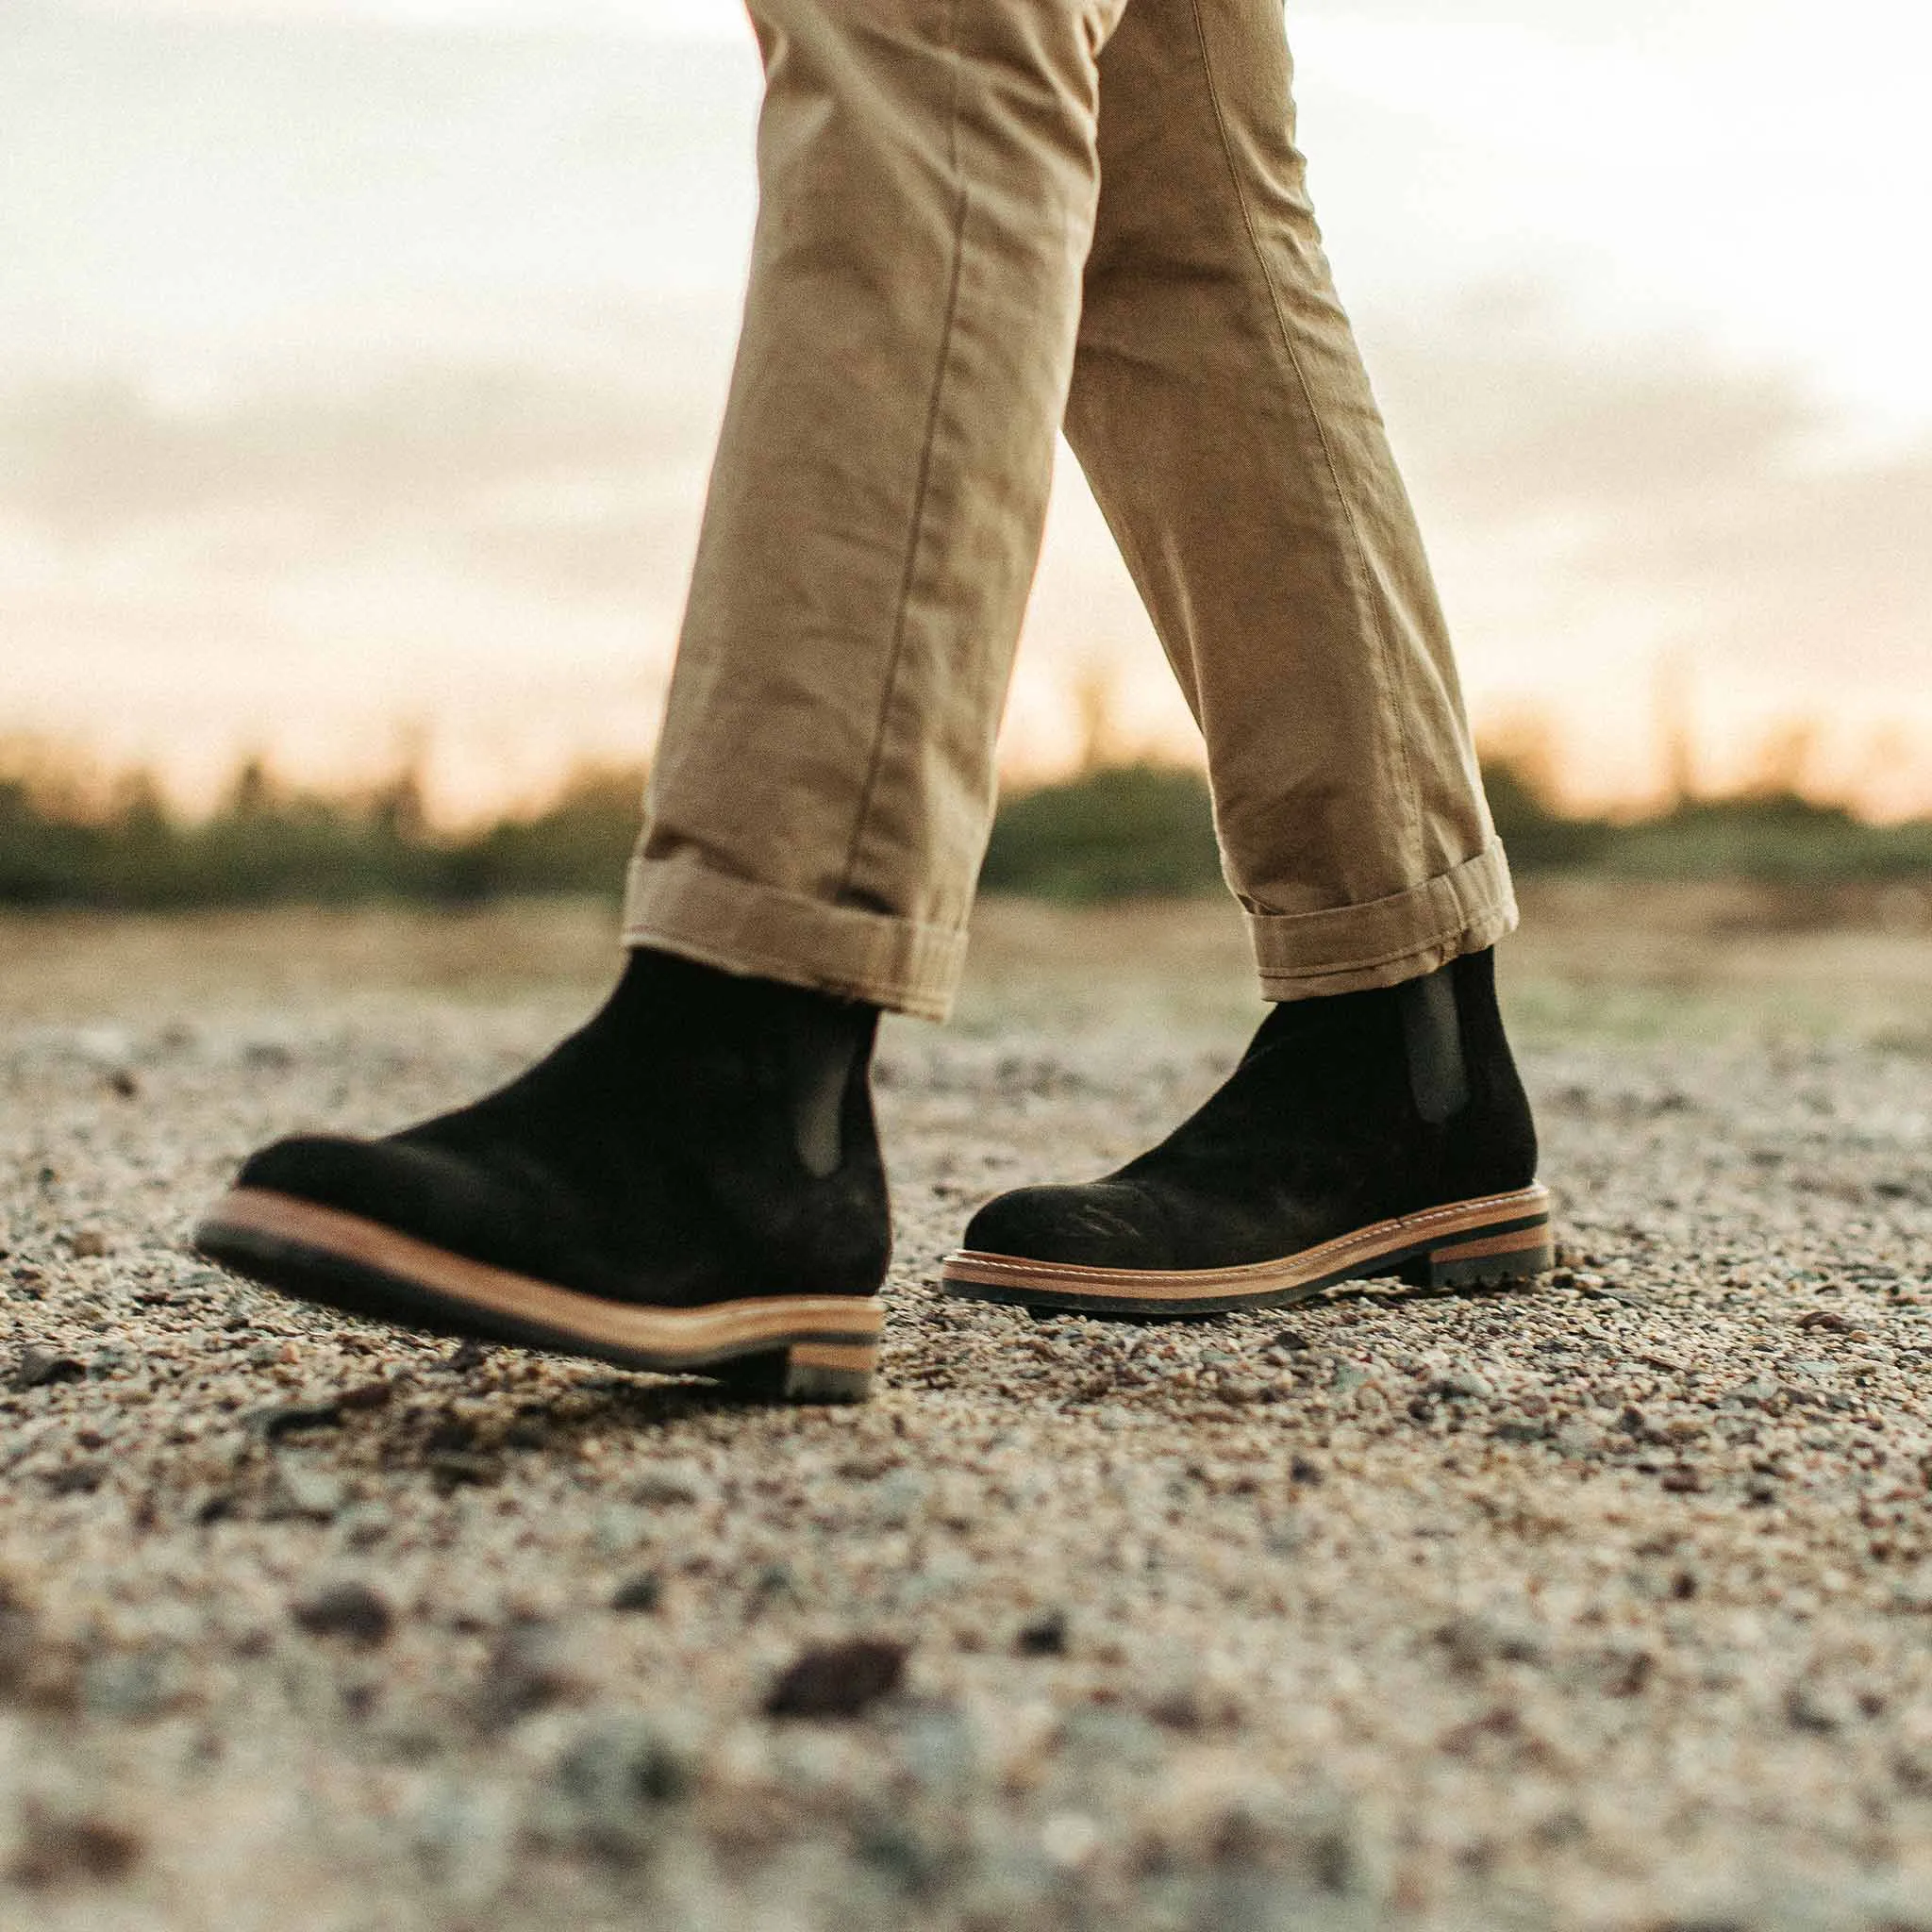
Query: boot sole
(787, 1348)
(1497, 1239)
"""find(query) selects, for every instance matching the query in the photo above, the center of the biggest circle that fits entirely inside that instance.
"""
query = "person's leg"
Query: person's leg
(693, 1181)
(1223, 415)
(822, 789)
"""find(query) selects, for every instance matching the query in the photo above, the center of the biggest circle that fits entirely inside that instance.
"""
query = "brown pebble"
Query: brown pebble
(62, 1847)
(77, 1478)
(345, 1610)
(838, 1680)
(89, 1243)
(1625, 1673)
(455, 1468)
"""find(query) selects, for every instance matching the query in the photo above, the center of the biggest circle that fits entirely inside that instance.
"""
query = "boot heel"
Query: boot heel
(830, 1370)
(807, 1371)
(1475, 1260)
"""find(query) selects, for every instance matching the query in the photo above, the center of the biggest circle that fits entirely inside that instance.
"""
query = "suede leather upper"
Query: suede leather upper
(665, 1154)
(1316, 1132)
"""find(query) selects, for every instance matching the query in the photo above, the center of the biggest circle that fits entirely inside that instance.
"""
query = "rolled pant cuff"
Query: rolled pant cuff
(1353, 948)
(742, 926)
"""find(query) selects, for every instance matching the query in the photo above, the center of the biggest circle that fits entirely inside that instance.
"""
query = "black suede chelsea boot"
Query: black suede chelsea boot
(691, 1182)
(1364, 1134)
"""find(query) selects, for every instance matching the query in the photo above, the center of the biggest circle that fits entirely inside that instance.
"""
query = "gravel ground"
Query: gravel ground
(1606, 1604)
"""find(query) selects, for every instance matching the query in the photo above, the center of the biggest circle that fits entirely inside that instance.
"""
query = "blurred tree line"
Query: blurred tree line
(1140, 829)
(1112, 831)
(267, 843)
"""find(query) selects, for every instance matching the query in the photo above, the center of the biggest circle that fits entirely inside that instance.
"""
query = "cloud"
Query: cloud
(578, 480)
(495, 550)
(1670, 477)
(653, 19)
(409, 533)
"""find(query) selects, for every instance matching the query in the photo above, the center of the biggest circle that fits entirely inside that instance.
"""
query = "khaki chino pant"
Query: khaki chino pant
(981, 220)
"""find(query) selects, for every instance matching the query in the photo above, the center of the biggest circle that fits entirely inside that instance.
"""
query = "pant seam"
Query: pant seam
(921, 487)
(1358, 555)
(1498, 902)
(746, 925)
(1328, 969)
(1459, 928)
(922, 931)
(1491, 858)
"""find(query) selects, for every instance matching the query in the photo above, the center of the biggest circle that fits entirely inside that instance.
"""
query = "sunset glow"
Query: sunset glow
(360, 365)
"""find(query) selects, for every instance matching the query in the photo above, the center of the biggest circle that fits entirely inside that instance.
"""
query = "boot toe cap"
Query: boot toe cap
(420, 1192)
(330, 1170)
(1098, 1226)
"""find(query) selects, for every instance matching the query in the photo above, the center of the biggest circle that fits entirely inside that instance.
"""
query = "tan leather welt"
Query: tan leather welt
(862, 1356)
(1312, 1264)
(1519, 1243)
(619, 1325)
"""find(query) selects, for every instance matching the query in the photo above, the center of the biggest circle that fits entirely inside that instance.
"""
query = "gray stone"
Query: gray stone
(936, 1746)
(1472, 1642)
(1463, 1385)
(1812, 1704)
(365, 1525)
(132, 1686)
(36, 1368)
(462, 1837)
(532, 1664)
(606, 1791)
(673, 1486)
(302, 1489)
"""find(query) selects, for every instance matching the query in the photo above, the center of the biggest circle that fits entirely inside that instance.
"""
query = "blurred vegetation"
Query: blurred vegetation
(65, 843)
(1116, 831)
(1140, 829)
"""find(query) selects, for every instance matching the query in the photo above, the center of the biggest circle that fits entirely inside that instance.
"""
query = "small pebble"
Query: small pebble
(530, 1665)
(36, 1368)
(350, 1610)
(643, 1592)
(838, 1680)
(62, 1846)
(1043, 1635)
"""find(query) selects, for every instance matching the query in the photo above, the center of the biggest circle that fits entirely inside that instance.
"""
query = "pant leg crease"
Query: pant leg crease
(916, 535)
(1357, 550)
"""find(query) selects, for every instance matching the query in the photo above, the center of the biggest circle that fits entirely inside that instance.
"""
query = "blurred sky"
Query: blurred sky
(359, 363)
